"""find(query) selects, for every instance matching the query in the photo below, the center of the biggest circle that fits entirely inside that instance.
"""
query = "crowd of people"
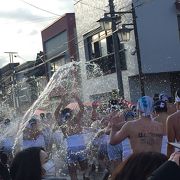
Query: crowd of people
(88, 141)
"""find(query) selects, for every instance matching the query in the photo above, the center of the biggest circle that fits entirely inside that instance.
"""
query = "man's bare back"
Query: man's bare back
(144, 135)
(173, 130)
(173, 125)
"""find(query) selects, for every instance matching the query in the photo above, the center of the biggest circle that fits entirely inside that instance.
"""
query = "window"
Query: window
(56, 64)
(100, 53)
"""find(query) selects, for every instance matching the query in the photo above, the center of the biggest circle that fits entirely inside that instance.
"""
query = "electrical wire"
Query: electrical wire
(58, 47)
(32, 21)
(40, 8)
(77, 1)
(80, 1)
(48, 60)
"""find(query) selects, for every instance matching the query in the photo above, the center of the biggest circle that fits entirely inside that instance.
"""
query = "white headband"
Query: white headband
(177, 99)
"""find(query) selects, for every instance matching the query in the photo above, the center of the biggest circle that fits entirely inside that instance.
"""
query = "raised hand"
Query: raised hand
(116, 118)
(175, 157)
(95, 104)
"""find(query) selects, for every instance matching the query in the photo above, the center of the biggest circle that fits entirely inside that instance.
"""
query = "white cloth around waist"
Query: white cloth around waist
(75, 140)
(39, 142)
(164, 145)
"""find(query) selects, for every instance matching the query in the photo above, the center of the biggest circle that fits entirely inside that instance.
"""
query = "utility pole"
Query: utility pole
(116, 49)
(141, 75)
(11, 56)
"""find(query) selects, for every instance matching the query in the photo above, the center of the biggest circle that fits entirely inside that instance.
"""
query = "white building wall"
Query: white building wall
(158, 37)
(86, 17)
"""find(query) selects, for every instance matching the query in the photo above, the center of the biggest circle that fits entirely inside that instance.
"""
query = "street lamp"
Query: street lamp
(109, 21)
(123, 33)
(105, 23)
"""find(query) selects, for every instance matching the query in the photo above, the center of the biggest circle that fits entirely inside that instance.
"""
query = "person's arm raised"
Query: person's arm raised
(81, 107)
(170, 135)
(94, 113)
(62, 103)
(116, 135)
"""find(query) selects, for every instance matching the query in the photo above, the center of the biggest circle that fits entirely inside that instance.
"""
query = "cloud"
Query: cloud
(33, 32)
(19, 15)
(19, 31)
(3, 61)
(65, 6)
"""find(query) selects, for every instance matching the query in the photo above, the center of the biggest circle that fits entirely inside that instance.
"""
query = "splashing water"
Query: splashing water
(66, 79)
(62, 80)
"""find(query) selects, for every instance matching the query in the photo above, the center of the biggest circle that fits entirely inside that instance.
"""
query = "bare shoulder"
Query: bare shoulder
(157, 122)
(173, 117)
(131, 123)
(135, 121)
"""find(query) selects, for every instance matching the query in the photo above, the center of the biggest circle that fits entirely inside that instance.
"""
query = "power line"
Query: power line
(48, 60)
(34, 20)
(77, 1)
(40, 8)
(80, 1)
(58, 47)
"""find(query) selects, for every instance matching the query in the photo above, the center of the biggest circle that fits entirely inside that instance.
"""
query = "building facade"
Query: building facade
(7, 81)
(59, 43)
(158, 27)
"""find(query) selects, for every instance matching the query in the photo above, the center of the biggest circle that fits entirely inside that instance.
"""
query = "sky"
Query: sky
(22, 23)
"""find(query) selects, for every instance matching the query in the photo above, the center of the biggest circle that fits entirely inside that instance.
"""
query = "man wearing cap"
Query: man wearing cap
(144, 134)
(32, 136)
(173, 125)
(171, 108)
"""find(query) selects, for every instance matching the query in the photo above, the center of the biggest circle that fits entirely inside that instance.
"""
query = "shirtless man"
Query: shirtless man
(32, 136)
(171, 107)
(173, 125)
(160, 108)
(71, 127)
(144, 133)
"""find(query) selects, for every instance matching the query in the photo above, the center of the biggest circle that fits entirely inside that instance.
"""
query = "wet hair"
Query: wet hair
(42, 115)
(7, 121)
(33, 120)
(65, 113)
(139, 166)
(160, 106)
(27, 165)
(156, 97)
(66, 110)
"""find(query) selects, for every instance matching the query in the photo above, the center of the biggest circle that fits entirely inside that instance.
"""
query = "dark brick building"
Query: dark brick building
(60, 43)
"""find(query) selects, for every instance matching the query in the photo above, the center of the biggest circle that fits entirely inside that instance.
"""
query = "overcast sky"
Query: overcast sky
(21, 26)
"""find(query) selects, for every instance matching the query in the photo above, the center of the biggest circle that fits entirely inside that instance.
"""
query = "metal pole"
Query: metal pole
(11, 54)
(116, 49)
(141, 75)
